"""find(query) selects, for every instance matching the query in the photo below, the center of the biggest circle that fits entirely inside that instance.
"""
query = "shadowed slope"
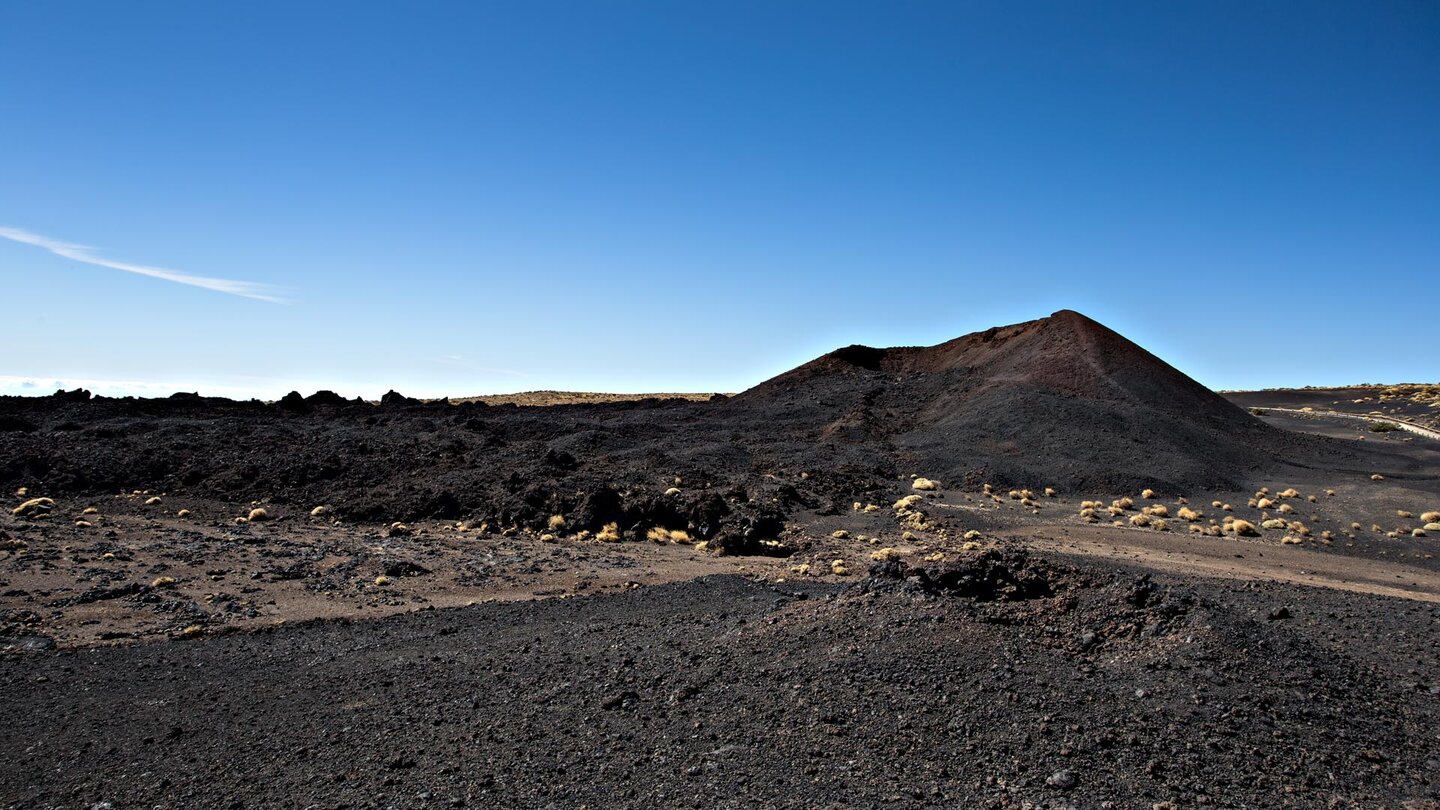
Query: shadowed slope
(1061, 400)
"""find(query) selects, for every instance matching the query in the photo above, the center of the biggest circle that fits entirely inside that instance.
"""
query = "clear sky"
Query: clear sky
(472, 197)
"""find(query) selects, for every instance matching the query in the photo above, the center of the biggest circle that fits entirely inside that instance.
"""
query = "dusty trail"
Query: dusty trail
(1228, 558)
(1403, 424)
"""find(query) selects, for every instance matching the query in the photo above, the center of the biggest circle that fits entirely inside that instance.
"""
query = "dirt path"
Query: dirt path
(137, 575)
(1228, 558)
(1398, 422)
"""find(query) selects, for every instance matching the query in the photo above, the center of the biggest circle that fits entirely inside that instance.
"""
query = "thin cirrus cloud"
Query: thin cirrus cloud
(81, 253)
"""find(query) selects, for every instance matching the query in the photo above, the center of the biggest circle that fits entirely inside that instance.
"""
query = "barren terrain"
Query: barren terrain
(1034, 566)
(1412, 402)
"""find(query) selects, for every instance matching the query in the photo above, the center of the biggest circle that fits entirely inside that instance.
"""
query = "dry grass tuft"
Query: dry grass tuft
(885, 554)
(840, 534)
(1186, 513)
(1377, 477)
(163, 582)
(1141, 519)
(320, 511)
(1147, 494)
(609, 533)
(907, 502)
(258, 514)
(660, 535)
(909, 515)
(837, 567)
(924, 485)
(152, 501)
(1158, 510)
(183, 513)
(33, 507)
(1244, 528)
(89, 510)
(1430, 517)
(555, 523)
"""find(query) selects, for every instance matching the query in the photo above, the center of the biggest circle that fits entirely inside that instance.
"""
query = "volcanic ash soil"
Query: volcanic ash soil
(999, 681)
(730, 602)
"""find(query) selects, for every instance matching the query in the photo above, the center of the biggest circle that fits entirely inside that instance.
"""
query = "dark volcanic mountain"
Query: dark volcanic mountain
(1061, 401)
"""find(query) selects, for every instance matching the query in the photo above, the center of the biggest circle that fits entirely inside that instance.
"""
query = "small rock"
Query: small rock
(1278, 613)
(620, 700)
(1062, 780)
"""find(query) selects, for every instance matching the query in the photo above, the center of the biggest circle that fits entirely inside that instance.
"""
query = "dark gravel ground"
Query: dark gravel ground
(1001, 681)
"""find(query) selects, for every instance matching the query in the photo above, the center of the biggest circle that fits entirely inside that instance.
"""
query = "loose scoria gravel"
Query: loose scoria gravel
(939, 687)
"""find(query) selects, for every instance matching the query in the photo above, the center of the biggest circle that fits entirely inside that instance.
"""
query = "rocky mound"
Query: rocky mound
(1058, 401)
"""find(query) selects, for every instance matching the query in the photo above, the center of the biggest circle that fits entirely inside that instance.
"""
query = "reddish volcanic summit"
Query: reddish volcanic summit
(1066, 353)
(1061, 399)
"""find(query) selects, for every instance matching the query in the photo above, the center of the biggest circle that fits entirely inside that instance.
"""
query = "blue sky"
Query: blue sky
(460, 198)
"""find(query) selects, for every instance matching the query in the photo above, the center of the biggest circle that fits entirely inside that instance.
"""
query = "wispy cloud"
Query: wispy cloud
(81, 253)
(469, 365)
